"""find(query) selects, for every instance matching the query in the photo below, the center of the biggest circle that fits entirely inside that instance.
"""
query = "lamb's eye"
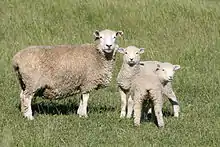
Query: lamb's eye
(137, 53)
(162, 69)
(126, 52)
(100, 37)
(114, 37)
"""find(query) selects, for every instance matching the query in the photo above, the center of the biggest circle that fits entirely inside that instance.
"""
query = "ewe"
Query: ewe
(64, 70)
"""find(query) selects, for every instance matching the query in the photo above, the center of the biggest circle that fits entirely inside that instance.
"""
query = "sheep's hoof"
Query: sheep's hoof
(161, 126)
(122, 115)
(128, 116)
(136, 124)
(29, 117)
(83, 116)
(176, 115)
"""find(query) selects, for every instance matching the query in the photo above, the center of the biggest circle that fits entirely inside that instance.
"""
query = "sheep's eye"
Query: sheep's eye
(100, 37)
(126, 52)
(162, 69)
(137, 53)
(114, 37)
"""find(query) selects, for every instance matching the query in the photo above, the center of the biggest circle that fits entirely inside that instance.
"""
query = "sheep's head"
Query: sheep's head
(107, 39)
(166, 71)
(131, 54)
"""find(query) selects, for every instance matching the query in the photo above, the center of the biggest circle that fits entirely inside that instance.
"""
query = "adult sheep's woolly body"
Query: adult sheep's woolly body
(64, 70)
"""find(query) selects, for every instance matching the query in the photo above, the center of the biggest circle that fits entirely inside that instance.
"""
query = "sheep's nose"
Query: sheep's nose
(131, 59)
(108, 45)
(170, 77)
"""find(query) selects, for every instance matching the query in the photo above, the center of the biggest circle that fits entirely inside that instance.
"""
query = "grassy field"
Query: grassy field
(184, 32)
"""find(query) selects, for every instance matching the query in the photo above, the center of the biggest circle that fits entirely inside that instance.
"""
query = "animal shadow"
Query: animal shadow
(65, 108)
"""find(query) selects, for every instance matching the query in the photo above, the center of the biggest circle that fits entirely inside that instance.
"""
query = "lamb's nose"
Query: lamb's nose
(131, 59)
(108, 45)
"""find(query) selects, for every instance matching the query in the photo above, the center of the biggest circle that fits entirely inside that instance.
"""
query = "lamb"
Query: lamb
(124, 83)
(128, 69)
(132, 67)
(170, 70)
(149, 86)
(61, 71)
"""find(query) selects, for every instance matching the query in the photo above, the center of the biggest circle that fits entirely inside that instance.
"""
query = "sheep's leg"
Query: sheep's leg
(79, 111)
(168, 91)
(158, 105)
(26, 105)
(137, 112)
(82, 110)
(130, 107)
(123, 103)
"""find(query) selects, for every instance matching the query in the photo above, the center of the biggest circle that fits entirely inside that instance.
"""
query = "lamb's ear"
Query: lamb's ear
(158, 67)
(176, 67)
(121, 50)
(96, 34)
(141, 50)
(119, 33)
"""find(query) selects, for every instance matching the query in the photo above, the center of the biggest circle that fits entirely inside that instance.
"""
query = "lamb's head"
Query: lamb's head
(166, 71)
(107, 40)
(131, 54)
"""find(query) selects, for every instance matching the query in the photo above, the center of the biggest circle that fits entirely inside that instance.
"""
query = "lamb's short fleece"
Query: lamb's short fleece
(142, 85)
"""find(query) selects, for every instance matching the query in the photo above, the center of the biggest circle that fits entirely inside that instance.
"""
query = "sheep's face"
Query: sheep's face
(131, 54)
(107, 39)
(166, 71)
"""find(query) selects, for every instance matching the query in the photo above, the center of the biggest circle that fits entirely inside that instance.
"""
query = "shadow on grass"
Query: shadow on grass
(67, 108)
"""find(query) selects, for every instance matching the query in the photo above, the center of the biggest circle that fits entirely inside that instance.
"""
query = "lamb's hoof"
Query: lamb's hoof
(161, 126)
(83, 115)
(136, 124)
(176, 115)
(128, 116)
(122, 115)
(29, 117)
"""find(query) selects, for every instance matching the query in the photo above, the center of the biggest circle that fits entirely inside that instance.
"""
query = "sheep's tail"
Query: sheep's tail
(18, 74)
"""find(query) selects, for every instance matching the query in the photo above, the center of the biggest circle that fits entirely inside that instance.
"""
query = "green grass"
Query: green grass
(184, 32)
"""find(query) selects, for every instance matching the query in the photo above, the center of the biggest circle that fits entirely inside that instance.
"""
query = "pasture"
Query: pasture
(184, 32)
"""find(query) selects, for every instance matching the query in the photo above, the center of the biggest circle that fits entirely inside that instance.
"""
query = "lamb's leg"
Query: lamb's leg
(26, 105)
(158, 105)
(130, 107)
(123, 103)
(137, 112)
(82, 110)
(168, 91)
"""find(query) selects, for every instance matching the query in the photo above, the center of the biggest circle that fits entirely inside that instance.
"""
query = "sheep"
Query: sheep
(128, 69)
(61, 71)
(149, 86)
(134, 82)
(170, 70)
(155, 80)
(125, 76)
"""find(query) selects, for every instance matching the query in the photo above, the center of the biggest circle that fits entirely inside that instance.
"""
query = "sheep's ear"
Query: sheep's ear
(158, 67)
(176, 67)
(96, 34)
(119, 33)
(141, 50)
(121, 50)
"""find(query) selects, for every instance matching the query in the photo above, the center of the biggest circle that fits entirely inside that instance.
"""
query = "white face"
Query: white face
(166, 71)
(107, 39)
(131, 54)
